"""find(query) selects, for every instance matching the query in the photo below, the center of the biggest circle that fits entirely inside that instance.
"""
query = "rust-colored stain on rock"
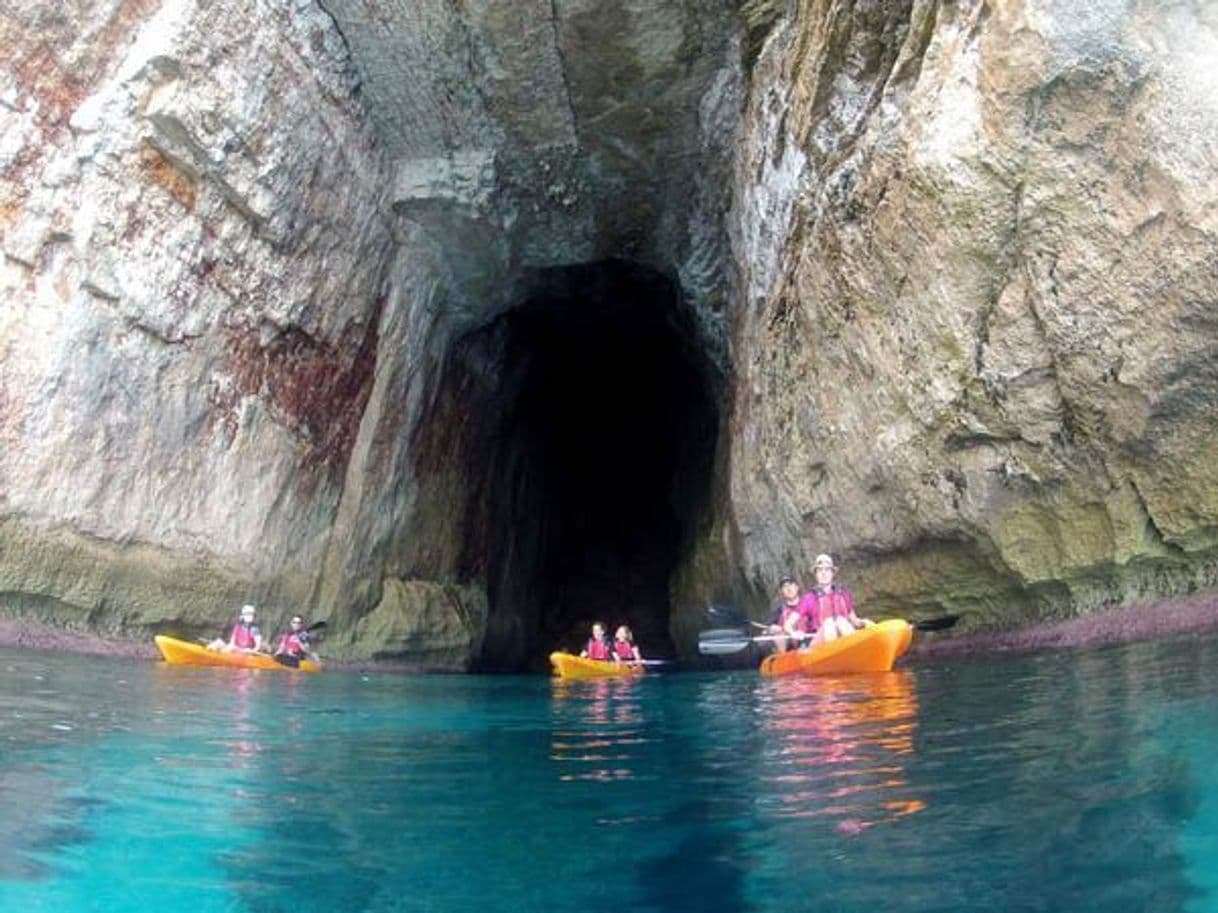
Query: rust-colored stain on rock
(162, 172)
(315, 389)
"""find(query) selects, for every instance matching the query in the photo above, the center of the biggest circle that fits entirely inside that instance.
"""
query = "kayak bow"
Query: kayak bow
(184, 653)
(568, 665)
(871, 649)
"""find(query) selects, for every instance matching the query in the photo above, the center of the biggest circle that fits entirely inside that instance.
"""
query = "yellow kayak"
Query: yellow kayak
(568, 665)
(871, 649)
(184, 653)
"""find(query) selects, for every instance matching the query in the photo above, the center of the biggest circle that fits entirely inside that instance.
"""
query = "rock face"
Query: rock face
(462, 324)
(194, 248)
(976, 346)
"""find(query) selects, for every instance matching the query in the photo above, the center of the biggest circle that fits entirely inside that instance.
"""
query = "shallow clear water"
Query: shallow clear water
(1068, 781)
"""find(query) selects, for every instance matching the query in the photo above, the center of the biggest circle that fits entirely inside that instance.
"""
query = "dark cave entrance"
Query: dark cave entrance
(598, 425)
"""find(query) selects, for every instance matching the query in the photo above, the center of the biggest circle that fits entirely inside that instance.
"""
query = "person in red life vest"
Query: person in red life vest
(245, 636)
(624, 647)
(789, 616)
(295, 643)
(828, 606)
(599, 646)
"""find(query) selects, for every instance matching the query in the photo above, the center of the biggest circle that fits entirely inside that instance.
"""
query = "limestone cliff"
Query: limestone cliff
(194, 249)
(459, 324)
(977, 343)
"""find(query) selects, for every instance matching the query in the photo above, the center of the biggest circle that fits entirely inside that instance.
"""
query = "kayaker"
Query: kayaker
(295, 643)
(788, 617)
(599, 646)
(245, 636)
(829, 607)
(624, 647)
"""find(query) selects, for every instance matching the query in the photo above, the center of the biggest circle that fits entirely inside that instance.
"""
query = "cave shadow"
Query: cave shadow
(592, 413)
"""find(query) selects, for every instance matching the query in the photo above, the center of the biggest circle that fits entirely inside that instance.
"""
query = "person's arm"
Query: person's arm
(851, 615)
(808, 612)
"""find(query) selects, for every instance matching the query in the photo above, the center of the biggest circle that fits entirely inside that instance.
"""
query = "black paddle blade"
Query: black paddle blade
(316, 626)
(942, 623)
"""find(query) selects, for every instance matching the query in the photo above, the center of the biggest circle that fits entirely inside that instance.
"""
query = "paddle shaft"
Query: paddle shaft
(737, 617)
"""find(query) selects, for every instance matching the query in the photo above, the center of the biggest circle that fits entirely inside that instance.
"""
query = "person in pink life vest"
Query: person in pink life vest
(599, 646)
(829, 607)
(295, 642)
(624, 647)
(788, 617)
(245, 636)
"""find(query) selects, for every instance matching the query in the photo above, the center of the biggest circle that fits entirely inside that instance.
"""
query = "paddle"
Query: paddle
(723, 641)
(737, 618)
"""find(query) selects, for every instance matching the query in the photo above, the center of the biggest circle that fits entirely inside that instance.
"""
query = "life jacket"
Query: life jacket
(244, 636)
(837, 602)
(792, 610)
(293, 643)
(624, 649)
(598, 649)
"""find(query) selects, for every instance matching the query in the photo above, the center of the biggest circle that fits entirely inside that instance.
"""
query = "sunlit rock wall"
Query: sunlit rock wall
(193, 238)
(240, 241)
(976, 352)
(954, 261)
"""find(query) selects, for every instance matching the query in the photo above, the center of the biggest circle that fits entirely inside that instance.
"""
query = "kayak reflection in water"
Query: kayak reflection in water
(295, 643)
(624, 648)
(828, 608)
(599, 646)
(245, 636)
(842, 747)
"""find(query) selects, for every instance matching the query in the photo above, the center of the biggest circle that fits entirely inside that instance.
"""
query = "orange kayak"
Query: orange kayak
(568, 665)
(870, 649)
(184, 653)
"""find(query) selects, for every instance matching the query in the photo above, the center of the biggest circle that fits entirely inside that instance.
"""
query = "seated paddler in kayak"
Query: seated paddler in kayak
(295, 644)
(828, 607)
(789, 622)
(245, 636)
(599, 646)
(624, 648)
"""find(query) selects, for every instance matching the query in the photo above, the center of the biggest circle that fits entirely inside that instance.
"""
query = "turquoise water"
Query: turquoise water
(1068, 781)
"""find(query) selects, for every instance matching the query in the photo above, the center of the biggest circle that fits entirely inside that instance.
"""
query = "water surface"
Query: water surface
(1060, 781)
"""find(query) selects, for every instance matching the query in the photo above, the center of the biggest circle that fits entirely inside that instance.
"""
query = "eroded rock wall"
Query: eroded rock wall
(976, 352)
(951, 263)
(193, 229)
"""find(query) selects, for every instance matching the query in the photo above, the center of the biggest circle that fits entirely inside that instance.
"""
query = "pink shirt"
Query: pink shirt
(817, 605)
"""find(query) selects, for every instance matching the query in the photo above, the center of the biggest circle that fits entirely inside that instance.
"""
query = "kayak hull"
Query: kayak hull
(184, 653)
(871, 649)
(568, 665)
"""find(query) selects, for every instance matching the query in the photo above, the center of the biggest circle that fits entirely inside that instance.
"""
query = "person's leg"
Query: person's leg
(844, 627)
